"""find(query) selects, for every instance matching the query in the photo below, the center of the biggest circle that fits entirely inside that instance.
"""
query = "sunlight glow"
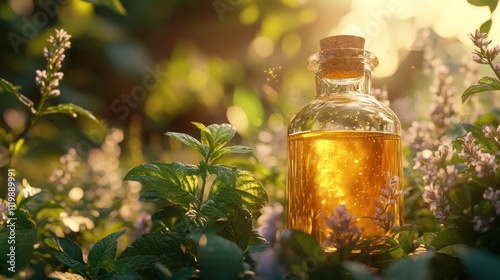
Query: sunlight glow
(263, 46)
(237, 118)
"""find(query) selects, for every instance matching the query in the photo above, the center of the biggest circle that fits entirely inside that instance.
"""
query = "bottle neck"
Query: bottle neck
(331, 86)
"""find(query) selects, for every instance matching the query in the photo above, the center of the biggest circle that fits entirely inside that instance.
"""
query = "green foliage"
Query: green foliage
(169, 249)
(492, 4)
(215, 252)
(23, 250)
(216, 216)
(48, 82)
(204, 225)
(68, 109)
(101, 262)
(5, 86)
(484, 84)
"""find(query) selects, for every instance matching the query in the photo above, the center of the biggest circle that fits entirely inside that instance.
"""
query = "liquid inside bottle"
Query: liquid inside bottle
(343, 149)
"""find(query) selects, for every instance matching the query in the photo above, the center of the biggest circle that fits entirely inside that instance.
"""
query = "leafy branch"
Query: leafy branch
(484, 55)
(48, 81)
(207, 207)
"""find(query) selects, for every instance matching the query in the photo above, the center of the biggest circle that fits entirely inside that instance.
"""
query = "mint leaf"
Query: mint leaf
(69, 109)
(175, 182)
(488, 144)
(68, 261)
(238, 228)
(230, 150)
(221, 134)
(168, 249)
(484, 84)
(237, 188)
(206, 137)
(102, 255)
(215, 137)
(189, 141)
(10, 88)
(71, 248)
(299, 245)
(218, 257)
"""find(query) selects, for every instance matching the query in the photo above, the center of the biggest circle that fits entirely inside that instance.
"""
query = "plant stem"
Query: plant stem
(202, 194)
(497, 73)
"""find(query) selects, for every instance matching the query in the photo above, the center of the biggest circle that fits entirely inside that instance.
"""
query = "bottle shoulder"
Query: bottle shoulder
(345, 111)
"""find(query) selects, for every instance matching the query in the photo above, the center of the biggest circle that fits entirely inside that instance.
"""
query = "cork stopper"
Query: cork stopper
(342, 42)
(344, 64)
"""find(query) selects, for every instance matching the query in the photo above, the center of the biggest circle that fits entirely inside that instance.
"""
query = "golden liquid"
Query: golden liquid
(326, 169)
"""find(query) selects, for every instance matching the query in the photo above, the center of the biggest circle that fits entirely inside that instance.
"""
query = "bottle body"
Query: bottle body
(343, 149)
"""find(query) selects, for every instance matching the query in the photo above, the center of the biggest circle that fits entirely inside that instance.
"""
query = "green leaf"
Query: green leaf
(411, 268)
(191, 222)
(68, 261)
(238, 188)
(151, 196)
(427, 238)
(215, 137)
(405, 240)
(115, 5)
(24, 200)
(10, 88)
(23, 244)
(231, 150)
(221, 134)
(189, 141)
(486, 26)
(480, 264)
(71, 248)
(451, 236)
(298, 245)
(490, 118)
(218, 257)
(215, 209)
(238, 228)
(169, 249)
(484, 84)
(452, 250)
(486, 143)
(176, 182)
(102, 255)
(69, 109)
(491, 3)
(24, 220)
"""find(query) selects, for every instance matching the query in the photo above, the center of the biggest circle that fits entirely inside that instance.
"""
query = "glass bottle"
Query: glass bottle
(343, 146)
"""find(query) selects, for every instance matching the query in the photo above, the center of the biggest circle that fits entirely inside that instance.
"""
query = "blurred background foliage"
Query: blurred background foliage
(148, 67)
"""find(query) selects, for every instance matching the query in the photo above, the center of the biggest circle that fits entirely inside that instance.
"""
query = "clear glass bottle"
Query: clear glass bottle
(344, 145)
